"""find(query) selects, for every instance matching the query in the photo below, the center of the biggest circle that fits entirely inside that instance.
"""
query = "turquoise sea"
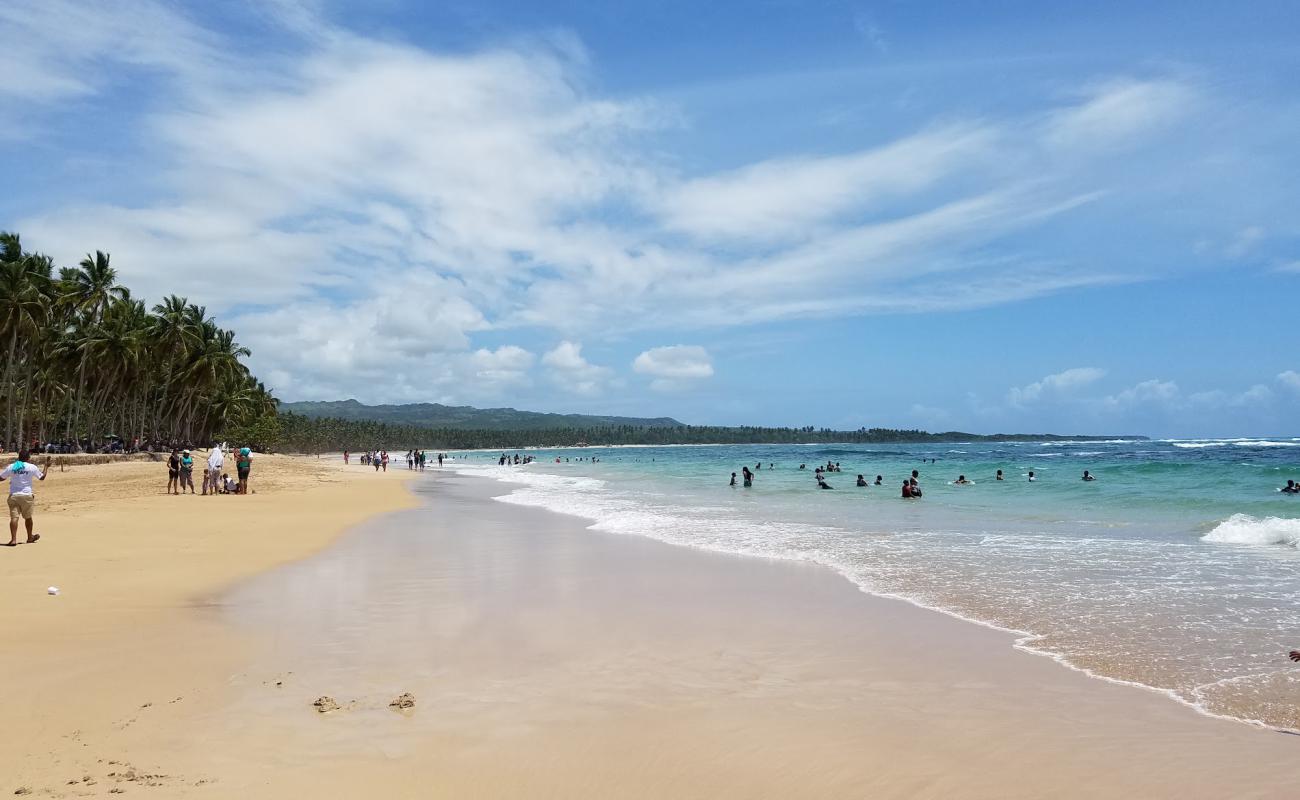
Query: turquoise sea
(1177, 569)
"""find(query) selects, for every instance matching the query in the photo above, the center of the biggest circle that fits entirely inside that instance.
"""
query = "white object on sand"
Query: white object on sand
(52, 590)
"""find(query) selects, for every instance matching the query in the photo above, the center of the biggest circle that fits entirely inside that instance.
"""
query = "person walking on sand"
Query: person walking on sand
(243, 466)
(22, 501)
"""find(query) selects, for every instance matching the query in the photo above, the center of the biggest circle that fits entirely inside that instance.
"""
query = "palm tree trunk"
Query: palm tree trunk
(27, 397)
(9, 370)
(76, 406)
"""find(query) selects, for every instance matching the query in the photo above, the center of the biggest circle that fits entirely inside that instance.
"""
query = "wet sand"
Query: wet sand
(552, 661)
(546, 660)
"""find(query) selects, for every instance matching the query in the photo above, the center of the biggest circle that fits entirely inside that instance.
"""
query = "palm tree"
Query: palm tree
(93, 287)
(23, 279)
(174, 331)
(86, 357)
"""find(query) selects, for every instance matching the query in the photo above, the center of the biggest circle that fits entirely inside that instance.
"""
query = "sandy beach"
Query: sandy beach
(192, 636)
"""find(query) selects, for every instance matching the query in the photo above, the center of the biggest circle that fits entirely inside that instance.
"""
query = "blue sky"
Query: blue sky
(988, 217)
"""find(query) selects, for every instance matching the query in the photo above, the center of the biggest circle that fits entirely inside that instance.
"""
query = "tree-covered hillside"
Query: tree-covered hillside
(435, 415)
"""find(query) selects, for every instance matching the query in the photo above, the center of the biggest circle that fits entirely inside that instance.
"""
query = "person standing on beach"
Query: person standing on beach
(212, 475)
(187, 472)
(22, 500)
(173, 472)
(243, 466)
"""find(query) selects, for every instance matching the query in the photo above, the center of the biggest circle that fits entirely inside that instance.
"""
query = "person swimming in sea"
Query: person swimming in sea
(907, 490)
(733, 479)
(1290, 488)
(961, 480)
(1088, 476)
(1031, 475)
(749, 477)
(915, 476)
(916, 488)
(822, 484)
(880, 480)
(999, 475)
(862, 481)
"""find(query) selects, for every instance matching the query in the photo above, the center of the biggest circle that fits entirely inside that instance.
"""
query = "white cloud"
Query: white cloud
(1119, 113)
(674, 367)
(1058, 385)
(789, 198)
(1150, 392)
(55, 51)
(1290, 379)
(572, 372)
(390, 202)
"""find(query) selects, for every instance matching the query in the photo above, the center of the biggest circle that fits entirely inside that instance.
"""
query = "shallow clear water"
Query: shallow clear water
(1177, 568)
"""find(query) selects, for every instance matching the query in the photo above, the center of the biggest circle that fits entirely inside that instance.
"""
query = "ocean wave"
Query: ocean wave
(1199, 445)
(1245, 529)
(1084, 442)
(1266, 443)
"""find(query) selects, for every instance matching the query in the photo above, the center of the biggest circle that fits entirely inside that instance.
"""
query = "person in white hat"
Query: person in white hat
(187, 471)
(22, 501)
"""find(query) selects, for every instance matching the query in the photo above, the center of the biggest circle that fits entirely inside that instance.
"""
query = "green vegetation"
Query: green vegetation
(85, 361)
(307, 434)
(434, 415)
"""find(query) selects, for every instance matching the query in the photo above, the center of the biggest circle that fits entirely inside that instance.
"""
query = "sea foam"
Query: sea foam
(1245, 529)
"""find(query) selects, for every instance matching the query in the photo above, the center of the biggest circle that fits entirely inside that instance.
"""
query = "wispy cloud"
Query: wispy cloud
(358, 191)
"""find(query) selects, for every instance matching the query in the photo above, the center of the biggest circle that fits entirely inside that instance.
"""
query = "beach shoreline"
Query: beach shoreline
(547, 659)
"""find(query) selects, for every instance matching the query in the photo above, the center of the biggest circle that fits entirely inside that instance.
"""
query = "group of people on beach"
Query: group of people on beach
(414, 459)
(180, 472)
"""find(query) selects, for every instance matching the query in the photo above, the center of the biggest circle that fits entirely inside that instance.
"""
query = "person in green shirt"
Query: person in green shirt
(243, 465)
(187, 472)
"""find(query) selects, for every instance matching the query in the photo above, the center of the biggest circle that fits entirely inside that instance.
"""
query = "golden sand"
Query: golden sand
(120, 659)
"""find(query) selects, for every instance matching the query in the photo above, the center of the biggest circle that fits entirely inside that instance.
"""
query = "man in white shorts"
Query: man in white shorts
(212, 476)
(22, 501)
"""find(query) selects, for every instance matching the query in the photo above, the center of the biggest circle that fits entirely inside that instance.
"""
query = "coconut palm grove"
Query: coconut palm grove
(88, 366)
